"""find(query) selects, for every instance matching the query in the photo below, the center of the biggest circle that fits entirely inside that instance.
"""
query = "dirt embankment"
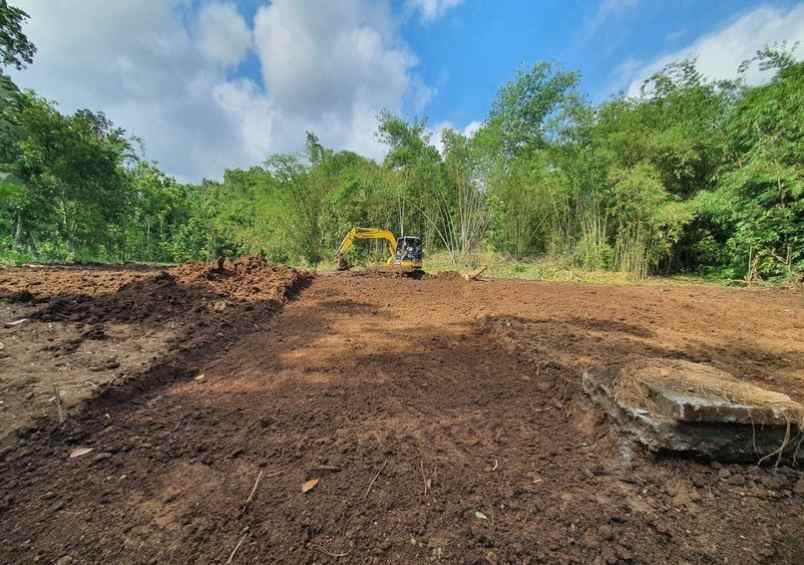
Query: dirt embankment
(68, 332)
(443, 420)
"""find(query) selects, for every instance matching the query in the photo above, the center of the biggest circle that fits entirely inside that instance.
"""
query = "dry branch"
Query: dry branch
(59, 405)
(371, 484)
(253, 490)
(234, 551)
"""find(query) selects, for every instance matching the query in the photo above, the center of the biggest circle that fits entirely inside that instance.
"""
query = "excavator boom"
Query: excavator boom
(367, 233)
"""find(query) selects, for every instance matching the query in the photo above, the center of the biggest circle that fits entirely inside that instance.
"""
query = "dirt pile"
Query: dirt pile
(89, 327)
(149, 297)
(40, 284)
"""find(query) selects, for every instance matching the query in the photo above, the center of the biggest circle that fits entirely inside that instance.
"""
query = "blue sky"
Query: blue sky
(216, 84)
(479, 46)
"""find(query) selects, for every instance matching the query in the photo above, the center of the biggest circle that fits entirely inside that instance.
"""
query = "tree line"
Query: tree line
(692, 175)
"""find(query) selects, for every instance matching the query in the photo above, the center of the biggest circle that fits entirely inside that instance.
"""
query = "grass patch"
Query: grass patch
(550, 269)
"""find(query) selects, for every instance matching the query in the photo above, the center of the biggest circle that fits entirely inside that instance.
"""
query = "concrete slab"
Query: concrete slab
(694, 420)
(691, 407)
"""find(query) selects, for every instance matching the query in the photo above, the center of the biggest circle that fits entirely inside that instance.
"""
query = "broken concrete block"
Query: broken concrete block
(692, 407)
(669, 405)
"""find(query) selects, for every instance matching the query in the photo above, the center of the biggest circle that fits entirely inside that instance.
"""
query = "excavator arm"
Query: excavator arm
(366, 233)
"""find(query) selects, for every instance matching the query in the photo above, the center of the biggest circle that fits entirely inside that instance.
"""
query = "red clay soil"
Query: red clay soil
(444, 422)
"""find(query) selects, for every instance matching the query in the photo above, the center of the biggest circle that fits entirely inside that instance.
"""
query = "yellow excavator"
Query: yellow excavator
(404, 253)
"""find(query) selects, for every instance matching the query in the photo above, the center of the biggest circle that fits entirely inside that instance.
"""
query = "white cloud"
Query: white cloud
(159, 69)
(720, 53)
(437, 131)
(675, 35)
(336, 64)
(136, 62)
(223, 34)
(431, 10)
(608, 9)
(472, 128)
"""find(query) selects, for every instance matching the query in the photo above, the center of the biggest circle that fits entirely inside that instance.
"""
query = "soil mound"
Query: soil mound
(89, 331)
(193, 289)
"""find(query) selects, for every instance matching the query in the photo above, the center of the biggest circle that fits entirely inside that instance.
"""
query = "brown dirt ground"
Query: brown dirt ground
(464, 397)
(88, 327)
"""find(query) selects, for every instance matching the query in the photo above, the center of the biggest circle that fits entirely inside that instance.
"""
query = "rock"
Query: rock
(725, 441)
(66, 560)
(623, 553)
(103, 456)
(724, 474)
(773, 482)
(606, 532)
(736, 480)
(799, 487)
(80, 451)
(691, 407)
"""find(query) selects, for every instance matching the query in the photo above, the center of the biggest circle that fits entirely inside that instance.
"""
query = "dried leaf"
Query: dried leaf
(309, 485)
(79, 451)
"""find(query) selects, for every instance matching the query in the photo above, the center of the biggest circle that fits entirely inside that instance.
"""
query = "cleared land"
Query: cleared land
(444, 420)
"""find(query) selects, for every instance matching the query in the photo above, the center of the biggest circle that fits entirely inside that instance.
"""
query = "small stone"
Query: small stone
(623, 553)
(80, 451)
(606, 532)
(66, 560)
(773, 482)
(799, 487)
(736, 480)
(724, 474)
(102, 456)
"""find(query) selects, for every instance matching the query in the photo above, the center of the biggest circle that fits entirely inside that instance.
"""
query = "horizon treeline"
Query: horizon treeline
(693, 175)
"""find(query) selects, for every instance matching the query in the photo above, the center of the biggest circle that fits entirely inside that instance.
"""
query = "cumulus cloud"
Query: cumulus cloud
(160, 69)
(336, 64)
(223, 34)
(135, 61)
(431, 10)
(720, 53)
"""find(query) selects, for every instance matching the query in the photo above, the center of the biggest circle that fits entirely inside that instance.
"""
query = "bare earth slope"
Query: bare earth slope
(444, 421)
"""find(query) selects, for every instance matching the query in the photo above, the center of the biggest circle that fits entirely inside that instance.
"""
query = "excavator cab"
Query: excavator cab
(408, 253)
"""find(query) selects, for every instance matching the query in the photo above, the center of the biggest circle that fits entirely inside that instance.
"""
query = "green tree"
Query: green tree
(69, 179)
(759, 201)
(15, 48)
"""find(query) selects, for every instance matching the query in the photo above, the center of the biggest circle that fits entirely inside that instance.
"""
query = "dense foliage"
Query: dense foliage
(693, 175)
